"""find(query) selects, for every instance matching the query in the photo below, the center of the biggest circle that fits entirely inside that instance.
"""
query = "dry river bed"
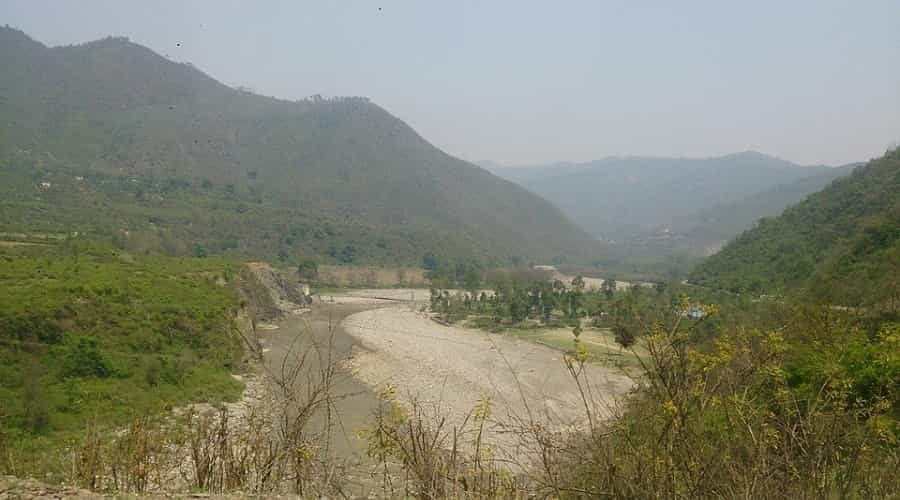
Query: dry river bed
(381, 339)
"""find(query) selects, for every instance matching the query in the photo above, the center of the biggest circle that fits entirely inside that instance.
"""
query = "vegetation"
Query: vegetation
(92, 334)
(747, 399)
(113, 140)
(282, 447)
(749, 413)
(840, 245)
(723, 222)
(773, 373)
(528, 305)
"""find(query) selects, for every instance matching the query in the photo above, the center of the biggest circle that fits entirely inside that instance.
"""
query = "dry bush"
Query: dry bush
(140, 456)
(227, 456)
(421, 455)
(134, 459)
(5, 452)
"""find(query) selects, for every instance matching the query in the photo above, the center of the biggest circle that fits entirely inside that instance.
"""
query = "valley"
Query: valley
(207, 291)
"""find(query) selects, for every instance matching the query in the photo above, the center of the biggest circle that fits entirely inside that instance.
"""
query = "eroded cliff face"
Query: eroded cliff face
(271, 293)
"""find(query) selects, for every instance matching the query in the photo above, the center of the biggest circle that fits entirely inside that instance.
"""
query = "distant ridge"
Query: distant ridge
(628, 199)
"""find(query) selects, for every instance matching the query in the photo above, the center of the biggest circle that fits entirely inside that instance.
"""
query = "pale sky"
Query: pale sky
(517, 81)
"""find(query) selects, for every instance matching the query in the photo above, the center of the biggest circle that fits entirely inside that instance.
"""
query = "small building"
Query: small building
(694, 312)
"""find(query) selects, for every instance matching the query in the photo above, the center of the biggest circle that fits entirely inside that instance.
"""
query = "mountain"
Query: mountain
(841, 244)
(635, 198)
(715, 226)
(111, 139)
(526, 174)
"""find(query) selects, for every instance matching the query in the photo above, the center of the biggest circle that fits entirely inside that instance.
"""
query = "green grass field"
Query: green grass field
(91, 334)
(599, 342)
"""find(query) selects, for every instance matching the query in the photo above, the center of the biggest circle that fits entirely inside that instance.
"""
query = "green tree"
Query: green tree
(578, 283)
(609, 288)
(83, 358)
(348, 253)
(472, 280)
(37, 413)
(308, 270)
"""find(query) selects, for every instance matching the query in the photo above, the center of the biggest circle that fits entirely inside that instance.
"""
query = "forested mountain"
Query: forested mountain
(695, 203)
(112, 139)
(723, 222)
(841, 244)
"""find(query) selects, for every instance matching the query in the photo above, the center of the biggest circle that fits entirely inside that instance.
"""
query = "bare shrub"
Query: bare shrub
(227, 456)
(283, 449)
(414, 443)
(88, 459)
(5, 451)
(138, 456)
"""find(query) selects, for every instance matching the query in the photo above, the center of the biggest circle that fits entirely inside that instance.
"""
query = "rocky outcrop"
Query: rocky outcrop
(13, 487)
(272, 293)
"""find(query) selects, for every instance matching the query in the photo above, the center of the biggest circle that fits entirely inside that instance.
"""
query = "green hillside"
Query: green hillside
(841, 244)
(90, 334)
(111, 139)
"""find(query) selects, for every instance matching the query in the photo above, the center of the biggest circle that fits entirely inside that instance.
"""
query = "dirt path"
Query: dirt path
(454, 368)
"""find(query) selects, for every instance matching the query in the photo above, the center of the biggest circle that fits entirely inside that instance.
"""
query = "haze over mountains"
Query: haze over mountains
(111, 139)
(672, 203)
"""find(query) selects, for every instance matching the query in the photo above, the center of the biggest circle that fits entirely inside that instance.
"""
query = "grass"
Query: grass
(599, 342)
(89, 334)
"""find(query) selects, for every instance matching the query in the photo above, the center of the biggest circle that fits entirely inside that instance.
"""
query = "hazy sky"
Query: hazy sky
(528, 82)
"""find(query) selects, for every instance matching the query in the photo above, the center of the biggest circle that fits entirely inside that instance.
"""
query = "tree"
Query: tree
(347, 254)
(37, 414)
(517, 308)
(547, 310)
(609, 288)
(471, 280)
(83, 358)
(308, 270)
(578, 283)
(623, 335)
(429, 262)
